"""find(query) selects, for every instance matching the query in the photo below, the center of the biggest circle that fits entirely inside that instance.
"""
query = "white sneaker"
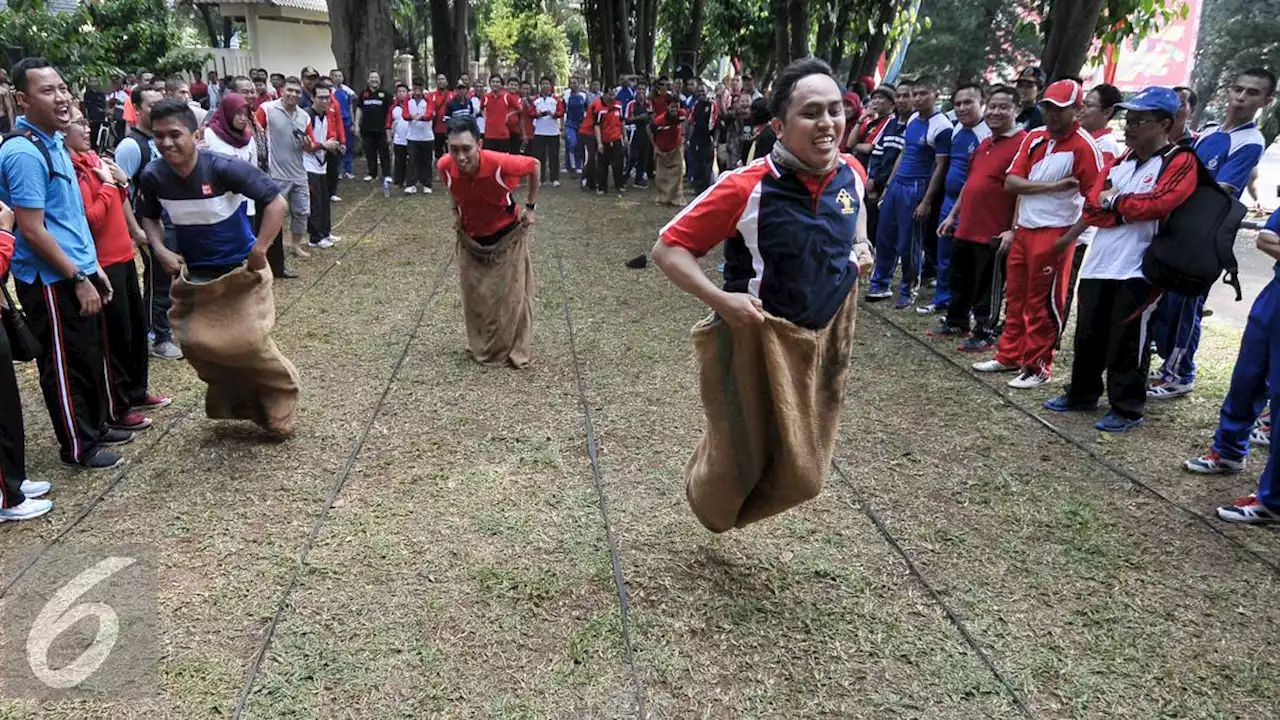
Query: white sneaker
(1028, 380)
(426, 190)
(28, 510)
(334, 198)
(387, 180)
(994, 366)
(35, 488)
(322, 243)
(411, 190)
(1168, 389)
(368, 178)
(334, 238)
(555, 183)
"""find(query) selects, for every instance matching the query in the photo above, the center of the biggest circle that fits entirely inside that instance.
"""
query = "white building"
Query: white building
(284, 36)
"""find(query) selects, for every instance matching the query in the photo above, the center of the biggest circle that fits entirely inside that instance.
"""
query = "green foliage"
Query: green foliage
(526, 39)
(740, 28)
(100, 39)
(1131, 20)
(969, 40)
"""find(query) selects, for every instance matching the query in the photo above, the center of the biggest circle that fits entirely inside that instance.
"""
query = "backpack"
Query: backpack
(44, 151)
(1196, 242)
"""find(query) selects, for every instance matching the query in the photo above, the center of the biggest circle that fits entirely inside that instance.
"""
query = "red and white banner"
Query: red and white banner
(1165, 58)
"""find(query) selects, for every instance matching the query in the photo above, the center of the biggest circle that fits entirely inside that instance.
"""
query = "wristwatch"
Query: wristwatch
(79, 277)
(529, 206)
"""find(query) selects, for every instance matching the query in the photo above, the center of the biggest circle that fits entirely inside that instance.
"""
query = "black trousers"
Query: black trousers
(13, 439)
(442, 145)
(703, 155)
(156, 284)
(546, 148)
(333, 171)
(275, 251)
(641, 155)
(1075, 276)
(402, 161)
(375, 152)
(1111, 340)
(972, 292)
(419, 163)
(71, 376)
(609, 158)
(124, 341)
(319, 223)
(589, 171)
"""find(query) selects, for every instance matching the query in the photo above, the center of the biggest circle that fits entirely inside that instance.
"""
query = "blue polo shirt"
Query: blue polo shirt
(344, 104)
(1231, 155)
(25, 183)
(964, 140)
(923, 140)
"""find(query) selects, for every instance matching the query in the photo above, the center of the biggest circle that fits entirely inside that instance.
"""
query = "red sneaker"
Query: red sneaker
(153, 402)
(131, 422)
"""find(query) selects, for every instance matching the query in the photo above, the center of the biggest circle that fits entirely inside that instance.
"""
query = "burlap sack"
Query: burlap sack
(497, 297)
(224, 329)
(668, 174)
(772, 395)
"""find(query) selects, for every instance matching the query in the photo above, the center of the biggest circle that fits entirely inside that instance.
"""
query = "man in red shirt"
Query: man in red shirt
(668, 145)
(986, 221)
(498, 106)
(604, 121)
(494, 267)
(436, 101)
(1054, 166)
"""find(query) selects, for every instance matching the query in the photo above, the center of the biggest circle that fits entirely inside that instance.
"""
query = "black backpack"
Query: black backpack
(1195, 244)
(26, 134)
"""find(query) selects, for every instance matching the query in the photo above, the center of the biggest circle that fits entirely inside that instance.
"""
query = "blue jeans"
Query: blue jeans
(349, 160)
(900, 236)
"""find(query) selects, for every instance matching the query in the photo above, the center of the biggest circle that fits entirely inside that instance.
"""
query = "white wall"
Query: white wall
(286, 47)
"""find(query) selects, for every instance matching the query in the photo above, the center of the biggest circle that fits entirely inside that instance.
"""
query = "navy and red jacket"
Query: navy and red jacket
(1176, 182)
(788, 237)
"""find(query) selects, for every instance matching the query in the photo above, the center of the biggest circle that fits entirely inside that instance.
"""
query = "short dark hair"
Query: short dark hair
(401, 85)
(1263, 73)
(663, 78)
(926, 81)
(18, 73)
(273, 76)
(173, 83)
(969, 86)
(174, 109)
(787, 79)
(904, 82)
(139, 91)
(546, 78)
(495, 75)
(322, 86)
(462, 124)
(513, 79)
(1192, 98)
(292, 80)
(1003, 90)
(419, 82)
(888, 92)
(1109, 96)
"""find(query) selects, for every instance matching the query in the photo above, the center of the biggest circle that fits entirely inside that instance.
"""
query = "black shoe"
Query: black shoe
(115, 438)
(638, 263)
(100, 460)
(286, 275)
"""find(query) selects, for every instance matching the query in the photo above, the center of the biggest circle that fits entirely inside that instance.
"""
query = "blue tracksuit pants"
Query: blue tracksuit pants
(900, 236)
(1257, 369)
(942, 296)
(349, 159)
(1175, 330)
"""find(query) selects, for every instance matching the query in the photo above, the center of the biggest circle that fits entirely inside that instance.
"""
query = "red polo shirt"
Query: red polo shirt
(484, 201)
(436, 100)
(609, 119)
(986, 208)
(495, 107)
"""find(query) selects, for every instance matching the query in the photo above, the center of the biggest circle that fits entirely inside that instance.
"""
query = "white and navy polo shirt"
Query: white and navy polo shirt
(1231, 155)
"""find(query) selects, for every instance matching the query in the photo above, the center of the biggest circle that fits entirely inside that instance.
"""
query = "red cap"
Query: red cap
(1064, 93)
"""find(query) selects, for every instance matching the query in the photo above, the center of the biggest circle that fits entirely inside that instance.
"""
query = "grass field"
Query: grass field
(448, 540)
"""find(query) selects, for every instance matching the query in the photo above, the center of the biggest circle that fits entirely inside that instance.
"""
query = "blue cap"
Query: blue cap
(1155, 98)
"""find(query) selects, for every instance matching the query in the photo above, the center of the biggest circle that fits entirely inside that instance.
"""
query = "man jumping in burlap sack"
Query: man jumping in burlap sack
(494, 267)
(223, 308)
(774, 354)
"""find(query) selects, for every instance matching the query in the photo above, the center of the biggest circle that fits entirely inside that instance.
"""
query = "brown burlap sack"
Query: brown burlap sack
(224, 329)
(668, 174)
(497, 297)
(772, 395)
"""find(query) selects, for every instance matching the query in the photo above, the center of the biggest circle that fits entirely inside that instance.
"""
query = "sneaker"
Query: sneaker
(334, 198)
(600, 193)
(100, 460)
(1260, 434)
(1246, 511)
(931, 309)
(35, 488)
(368, 178)
(411, 190)
(334, 238)
(1168, 389)
(1114, 423)
(153, 402)
(976, 344)
(321, 244)
(876, 295)
(1028, 380)
(114, 438)
(555, 183)
(942, 329)
(994, 366)
(166, 350)
(1155, 373)
(30, 509)
(426, 190)
(131, 422)
(1065, 403)
(904, 302)
(1211, 463)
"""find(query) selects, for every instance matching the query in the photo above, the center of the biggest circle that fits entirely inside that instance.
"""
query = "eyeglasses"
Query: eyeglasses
(1137, 121)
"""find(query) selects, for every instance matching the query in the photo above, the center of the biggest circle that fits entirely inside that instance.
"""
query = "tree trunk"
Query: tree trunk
(443, 50)
(622, 32)
(826, 29)
(844, 8)
(608, 66)
(693, 36)
(641, 38)
(210, 26)
(363, 37)
(873, 44)
(461, 21)
(1069, 37)
(781, 31)
(798, 10)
